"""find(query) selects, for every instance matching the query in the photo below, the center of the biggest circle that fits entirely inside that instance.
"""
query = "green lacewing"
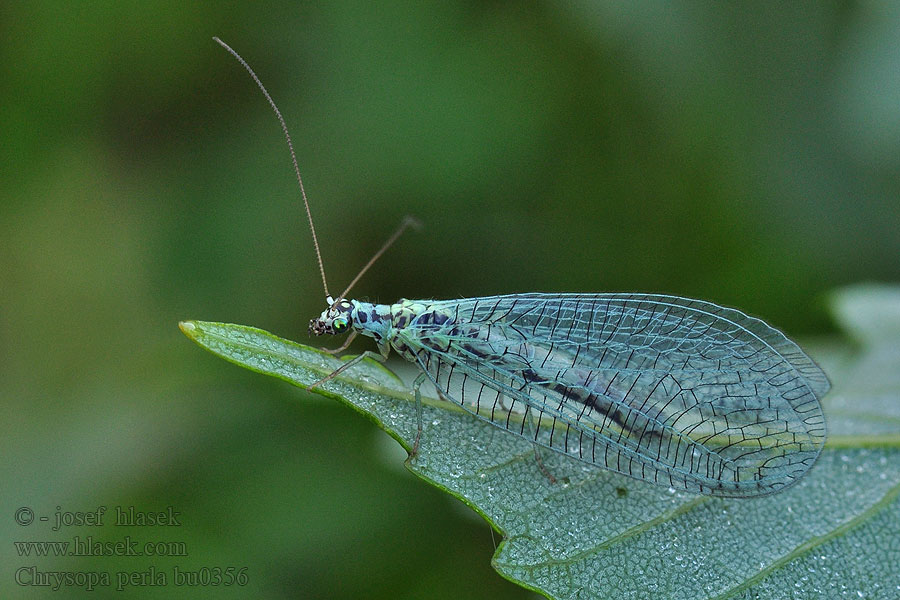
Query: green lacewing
(676, 392)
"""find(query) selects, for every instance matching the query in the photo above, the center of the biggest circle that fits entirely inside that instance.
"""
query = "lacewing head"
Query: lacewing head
(334, 320)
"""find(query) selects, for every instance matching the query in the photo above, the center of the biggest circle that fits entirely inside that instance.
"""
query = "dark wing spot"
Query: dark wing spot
(474, 351)
(591, 400)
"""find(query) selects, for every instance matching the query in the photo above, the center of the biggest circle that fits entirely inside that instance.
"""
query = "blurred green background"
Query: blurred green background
(739, 154)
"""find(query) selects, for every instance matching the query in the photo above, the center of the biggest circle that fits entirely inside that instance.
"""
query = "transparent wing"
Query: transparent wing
(677, 392)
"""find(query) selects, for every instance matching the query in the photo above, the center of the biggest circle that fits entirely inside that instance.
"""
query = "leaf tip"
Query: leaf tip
(187, 328)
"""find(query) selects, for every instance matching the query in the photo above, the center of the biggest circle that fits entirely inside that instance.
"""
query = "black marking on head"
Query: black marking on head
(316, 327)
(344, 306)
(362, 317)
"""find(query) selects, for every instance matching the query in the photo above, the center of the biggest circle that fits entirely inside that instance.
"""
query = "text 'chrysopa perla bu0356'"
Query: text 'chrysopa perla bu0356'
(673, 391)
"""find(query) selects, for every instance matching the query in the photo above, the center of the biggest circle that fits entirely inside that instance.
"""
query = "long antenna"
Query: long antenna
(290, 144)
(408, 222)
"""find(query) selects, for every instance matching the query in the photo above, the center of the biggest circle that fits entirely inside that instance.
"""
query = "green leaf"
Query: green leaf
(597, 534)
